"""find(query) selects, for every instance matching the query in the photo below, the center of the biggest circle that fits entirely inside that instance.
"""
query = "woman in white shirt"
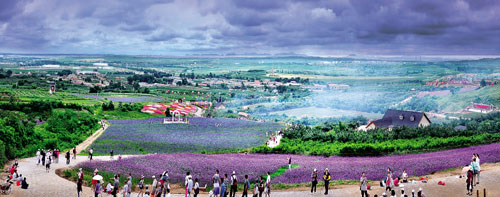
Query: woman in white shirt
(478, 169)
(405, 176)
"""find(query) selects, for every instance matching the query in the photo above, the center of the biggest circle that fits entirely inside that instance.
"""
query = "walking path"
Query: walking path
(49, 184)
(91, 139)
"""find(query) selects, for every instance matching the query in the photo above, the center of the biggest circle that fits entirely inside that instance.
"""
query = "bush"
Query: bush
(3, 158)
(400, 146)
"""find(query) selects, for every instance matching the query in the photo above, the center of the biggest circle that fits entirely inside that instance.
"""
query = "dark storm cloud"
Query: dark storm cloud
(163, 37)
(253, 26)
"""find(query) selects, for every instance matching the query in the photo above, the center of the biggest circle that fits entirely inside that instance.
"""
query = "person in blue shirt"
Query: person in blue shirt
(223, 188)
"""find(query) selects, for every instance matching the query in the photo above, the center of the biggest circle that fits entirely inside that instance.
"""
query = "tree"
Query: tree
(95, 89)
(483, 83)
(9, 73)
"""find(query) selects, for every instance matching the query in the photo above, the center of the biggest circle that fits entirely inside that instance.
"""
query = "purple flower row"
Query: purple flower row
(342, 168)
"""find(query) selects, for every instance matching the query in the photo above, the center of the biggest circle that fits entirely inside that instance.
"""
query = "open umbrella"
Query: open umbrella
(465, 169)
(97, 178)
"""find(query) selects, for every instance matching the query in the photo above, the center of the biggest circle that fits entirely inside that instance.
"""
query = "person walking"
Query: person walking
(478, 164)
(125, 190)
(141, 187)
(326, 177)
(226, 185)
(474, 167)
(314, 181)
(67, 157)
(80, 182)
(196, 187)
(57, 155)
(97, 190)
(364, 186)
(234, 184)
(222, 188)
(289, 163)
(153, 186)
(186, 182)
(246, 186)
(116, 186)
(216, 181)
(166, 183)
(43, 157)
(261, 186)
(190, 186)
(91, 152)
(47, 163)
(470, 181)
(38, 157)
(389, 183)
(129, 186)
(74, 153)
(268, 184)
(111, 154)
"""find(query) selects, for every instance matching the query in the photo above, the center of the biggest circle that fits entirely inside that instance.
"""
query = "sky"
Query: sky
(309, 27)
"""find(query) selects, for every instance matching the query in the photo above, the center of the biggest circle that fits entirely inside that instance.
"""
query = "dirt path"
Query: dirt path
(91, 139)
(50, 184)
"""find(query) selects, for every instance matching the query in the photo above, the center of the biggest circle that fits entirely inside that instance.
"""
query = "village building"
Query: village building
(398, 118)
(480, 108)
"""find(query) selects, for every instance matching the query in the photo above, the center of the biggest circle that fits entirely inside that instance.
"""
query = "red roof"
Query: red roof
(482, 106)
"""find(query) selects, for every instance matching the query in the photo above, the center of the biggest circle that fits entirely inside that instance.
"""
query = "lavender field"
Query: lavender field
(141, 136)
(346, 168)
(123, 99)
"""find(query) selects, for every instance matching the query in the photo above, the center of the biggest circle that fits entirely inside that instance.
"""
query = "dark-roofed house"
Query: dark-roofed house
(397, 118)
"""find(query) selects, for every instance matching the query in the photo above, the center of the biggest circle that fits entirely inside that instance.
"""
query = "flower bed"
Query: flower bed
(140, 136)
(342, 168)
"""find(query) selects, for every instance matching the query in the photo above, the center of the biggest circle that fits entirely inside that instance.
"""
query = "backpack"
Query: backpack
(261, 187)
(235, 182)
(248, 182)
(469, 176)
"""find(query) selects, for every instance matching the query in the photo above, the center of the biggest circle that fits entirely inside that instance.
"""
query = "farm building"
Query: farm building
(397, 118)
(480, 108)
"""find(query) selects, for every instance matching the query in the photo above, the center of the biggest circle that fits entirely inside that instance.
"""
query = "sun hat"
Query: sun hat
(326, 169)
(315, 170)
(420, 189)
(234, 172)
(153, 176)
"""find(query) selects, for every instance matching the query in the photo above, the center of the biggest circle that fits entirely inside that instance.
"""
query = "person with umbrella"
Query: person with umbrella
(94, 181)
